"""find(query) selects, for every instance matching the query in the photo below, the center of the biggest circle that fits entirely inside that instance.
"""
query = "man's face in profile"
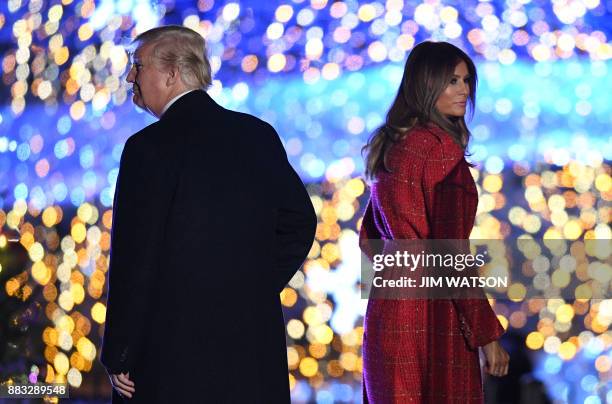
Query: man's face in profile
(149, 90)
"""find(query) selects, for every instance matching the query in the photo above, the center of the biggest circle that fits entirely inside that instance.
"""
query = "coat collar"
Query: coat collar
(196, 102)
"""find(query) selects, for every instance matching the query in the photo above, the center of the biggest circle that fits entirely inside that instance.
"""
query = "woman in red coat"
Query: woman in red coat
(426, 350)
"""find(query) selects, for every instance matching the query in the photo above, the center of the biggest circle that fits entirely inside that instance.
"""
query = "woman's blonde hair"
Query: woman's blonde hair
(175, 45)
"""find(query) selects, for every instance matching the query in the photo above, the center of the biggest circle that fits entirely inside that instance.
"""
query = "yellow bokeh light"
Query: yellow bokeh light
(312, 316)
(345, 211)
(284, 13)
(317, 350)
(323, 334)
(565, 313)
(552, 234)
(50, 378)
(328, 214)
(532, 224)
(61, 363)
(583, 291)
(560, 278)
(65, 300)
(85, 32)
(288, 297)
(309, 367)
(50, 336)
(61, 55)
(603, 182)
(567, 350)
(355, 187)
(559, 218)
(534, 340)
(41, 273)
(27, 240)
(517, 292)
(276, 62)
(330, 252)
(49, 216)
(366, 12)
(349, 360)
(295, 328)
(572, 229)
(293, 358)
(36, 252)
(597, 326)
(449, 14)
(292, 381)
(492, 183)
(315, 250)
(86, 348)
(86, 212)
(11, 286)
(556, 202)
(78, 232)
(516, 215)
(63, 272)
(98, 313)
(77, 361)
(55, 13)
(77, 110)
(78, 293)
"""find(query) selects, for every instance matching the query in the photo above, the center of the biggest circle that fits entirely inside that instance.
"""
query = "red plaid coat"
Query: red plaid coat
(424, 351)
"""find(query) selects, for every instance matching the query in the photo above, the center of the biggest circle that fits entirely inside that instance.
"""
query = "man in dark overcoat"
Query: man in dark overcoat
(210, 222)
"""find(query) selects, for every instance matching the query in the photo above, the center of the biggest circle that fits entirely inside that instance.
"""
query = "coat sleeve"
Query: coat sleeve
(478, 321)
(296, 220)
(142, 200)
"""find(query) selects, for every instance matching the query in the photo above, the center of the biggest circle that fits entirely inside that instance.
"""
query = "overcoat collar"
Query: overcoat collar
(196, 102)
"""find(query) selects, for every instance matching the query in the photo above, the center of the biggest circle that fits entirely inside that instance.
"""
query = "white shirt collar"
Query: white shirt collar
(172, 101)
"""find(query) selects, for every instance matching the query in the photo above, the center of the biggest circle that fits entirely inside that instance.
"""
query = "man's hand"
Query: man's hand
(122, 383)
(497, 359)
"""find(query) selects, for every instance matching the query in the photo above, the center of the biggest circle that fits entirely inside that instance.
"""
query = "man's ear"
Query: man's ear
(173, 76)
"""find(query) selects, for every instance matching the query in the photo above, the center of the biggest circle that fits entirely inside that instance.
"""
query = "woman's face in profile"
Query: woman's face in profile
(453, 99)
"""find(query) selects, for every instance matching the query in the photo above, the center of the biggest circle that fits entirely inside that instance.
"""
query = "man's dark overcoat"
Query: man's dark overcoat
(210, 222)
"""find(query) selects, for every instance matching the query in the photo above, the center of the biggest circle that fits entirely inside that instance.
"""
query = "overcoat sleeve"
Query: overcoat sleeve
(296, 221)
(443, 190)
(143, 196)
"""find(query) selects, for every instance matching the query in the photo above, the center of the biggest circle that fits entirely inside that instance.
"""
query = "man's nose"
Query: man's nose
(131, 75)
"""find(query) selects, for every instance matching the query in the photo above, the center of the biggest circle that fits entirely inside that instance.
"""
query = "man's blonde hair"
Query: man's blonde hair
(175, 45)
